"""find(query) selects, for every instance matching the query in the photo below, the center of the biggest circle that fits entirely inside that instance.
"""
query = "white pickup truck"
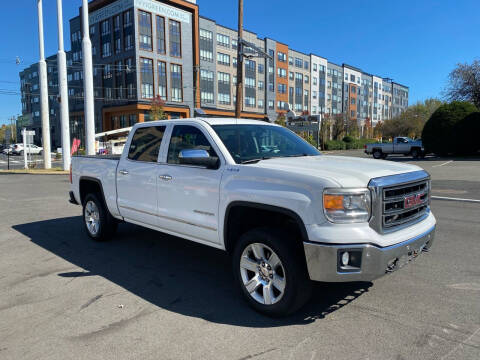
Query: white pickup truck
(285, 213)
(400, 145)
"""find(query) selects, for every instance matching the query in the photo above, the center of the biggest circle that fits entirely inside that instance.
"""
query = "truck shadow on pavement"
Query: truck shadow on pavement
(172, 273)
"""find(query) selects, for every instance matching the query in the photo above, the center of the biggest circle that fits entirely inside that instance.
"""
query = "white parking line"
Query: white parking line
(445, 163)
(455, 199)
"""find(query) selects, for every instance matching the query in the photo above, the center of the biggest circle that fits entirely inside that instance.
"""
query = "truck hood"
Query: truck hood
(346, 171)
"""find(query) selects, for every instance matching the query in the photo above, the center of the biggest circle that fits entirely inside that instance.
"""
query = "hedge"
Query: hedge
(439, 134)
(466, 133)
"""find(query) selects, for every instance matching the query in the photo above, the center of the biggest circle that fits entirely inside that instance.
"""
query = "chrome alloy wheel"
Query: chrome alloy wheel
(92, 217)
(262, 274)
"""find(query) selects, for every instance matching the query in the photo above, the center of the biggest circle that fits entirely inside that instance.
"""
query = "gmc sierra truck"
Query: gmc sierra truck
(285, 213)
(400, 145)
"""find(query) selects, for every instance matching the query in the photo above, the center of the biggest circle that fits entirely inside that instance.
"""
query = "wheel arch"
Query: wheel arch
(260, 215)
(87, 185)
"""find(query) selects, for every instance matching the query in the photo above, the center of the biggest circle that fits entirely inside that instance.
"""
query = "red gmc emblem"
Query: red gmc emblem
(413, 200)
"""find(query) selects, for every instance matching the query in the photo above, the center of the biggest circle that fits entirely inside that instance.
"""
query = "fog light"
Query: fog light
(345, 258)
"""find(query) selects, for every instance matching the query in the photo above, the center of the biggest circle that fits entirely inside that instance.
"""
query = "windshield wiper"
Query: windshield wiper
(253, 161)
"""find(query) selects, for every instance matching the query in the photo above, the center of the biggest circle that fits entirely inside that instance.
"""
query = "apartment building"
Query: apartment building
(143, 49)
(218, 72)
(30, 98)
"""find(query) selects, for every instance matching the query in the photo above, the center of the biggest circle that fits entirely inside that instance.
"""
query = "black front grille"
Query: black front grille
(403, 204)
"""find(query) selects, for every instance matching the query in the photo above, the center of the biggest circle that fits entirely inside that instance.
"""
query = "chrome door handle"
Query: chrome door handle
(123, 172)
(165, 177)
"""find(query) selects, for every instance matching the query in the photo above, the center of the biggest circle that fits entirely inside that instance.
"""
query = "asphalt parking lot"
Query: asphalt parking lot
(146, 295)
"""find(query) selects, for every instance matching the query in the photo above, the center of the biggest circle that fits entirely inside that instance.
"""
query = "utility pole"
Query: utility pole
(63, 90)
(42, 70)
(89, 114)
(239, 104)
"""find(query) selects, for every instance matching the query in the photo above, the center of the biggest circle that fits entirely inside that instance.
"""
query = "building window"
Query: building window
(282, 73)
(176, 84)
(175, 38)
(352, 114)
(352, 101)
(306, 65)
(261, 68)
(223, 78)
(260, 103)
(250, 82)
(250, 65)
(146, 72)
(291, 76)
(234, 62)
(224, 99)
(261, 85)
(127, 18)
(352, 78)
(249, 101)
(223, 40)
(282, 88)
(271, 105)
(290, 60)
(206, 55)
(116, 23)
(223, 59)
(307, 79)
(106, 49)
(298, 63)
(162, 80)
(161, 35)
(281, 56)
(128, 42)
(206, 97)
(105, 25)
(118, 45)
(145, 30)
(92, 30)
(206, 35)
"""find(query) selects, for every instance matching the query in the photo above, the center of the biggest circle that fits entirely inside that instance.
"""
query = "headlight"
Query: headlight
(347, 205)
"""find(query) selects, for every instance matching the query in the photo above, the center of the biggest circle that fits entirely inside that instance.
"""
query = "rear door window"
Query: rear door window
(145, 144)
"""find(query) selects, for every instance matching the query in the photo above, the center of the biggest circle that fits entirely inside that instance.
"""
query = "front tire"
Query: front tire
(269, 267)
(99, 223)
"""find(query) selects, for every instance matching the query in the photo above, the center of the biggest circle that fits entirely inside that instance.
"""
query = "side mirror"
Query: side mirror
(198, 157)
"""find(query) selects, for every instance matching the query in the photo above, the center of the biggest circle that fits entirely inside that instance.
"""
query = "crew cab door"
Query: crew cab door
(188, 196)
(137, 176)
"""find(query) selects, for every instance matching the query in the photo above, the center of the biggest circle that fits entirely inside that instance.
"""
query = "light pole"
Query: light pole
(89, 114)
(63, 91)
(239, 104)
(42, 70)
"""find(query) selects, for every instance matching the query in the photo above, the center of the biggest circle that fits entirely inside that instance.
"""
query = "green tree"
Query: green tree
(439, 132)
(156, 109)
(464, 83)
(281, 119)
(466, 132)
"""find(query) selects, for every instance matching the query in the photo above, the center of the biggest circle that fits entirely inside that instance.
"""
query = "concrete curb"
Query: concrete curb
(16, 172)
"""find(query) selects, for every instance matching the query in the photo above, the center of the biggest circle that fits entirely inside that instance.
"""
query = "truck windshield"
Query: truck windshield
(247, 143)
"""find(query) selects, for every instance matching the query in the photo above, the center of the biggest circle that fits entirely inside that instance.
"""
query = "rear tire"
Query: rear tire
(21, 153)
(415, 153)
(377, 154)
(99, 223)
(269, 267)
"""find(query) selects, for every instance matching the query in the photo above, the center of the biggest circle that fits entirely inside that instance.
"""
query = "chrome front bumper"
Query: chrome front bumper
(324, 260)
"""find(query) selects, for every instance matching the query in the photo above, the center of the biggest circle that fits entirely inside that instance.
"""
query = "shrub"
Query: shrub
(347, 139)
(466, 134)
(334, 145)
(437, 135)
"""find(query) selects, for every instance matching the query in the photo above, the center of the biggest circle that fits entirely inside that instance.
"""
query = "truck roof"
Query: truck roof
(215, 121)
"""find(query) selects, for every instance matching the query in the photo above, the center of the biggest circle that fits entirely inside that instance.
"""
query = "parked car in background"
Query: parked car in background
(400, 145)
(286, 213)
(8, 149)
(18, 149)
